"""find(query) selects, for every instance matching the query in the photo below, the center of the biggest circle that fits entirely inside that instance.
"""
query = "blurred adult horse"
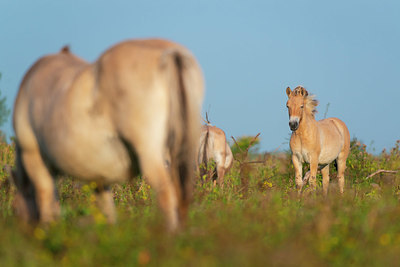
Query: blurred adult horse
(136, 105)
(315, 142)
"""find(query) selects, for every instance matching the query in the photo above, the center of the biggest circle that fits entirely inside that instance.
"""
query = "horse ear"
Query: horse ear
(288, 91)
(65, 49)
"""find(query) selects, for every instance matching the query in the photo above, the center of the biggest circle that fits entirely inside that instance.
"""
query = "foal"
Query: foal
(315, 142)
(213, 146)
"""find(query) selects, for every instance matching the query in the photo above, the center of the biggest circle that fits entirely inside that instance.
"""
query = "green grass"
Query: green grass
(256, 220)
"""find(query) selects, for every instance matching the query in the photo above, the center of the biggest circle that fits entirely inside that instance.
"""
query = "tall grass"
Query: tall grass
(256, 220)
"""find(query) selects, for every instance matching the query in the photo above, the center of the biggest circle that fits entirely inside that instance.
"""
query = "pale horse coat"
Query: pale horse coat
(105, 121)
(213, 146)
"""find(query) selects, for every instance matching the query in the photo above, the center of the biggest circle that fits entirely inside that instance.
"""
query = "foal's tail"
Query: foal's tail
(186, 96)
(203, 151)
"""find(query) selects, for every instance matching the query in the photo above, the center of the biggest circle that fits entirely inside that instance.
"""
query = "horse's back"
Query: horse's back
(144, 63)
(53, 116)
(334, 126)
(39, 93)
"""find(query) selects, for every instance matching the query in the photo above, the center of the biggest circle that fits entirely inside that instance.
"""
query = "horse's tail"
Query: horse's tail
(186, 95)
(203, 153)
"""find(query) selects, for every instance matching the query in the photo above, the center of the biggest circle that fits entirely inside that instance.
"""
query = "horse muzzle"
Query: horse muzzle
(294, 124)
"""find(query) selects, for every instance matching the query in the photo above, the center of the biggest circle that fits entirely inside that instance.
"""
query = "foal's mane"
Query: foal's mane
(309, 100)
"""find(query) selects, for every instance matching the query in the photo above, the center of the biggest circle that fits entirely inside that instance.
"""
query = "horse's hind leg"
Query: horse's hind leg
(39, 178)
(105, 202)
(24, 202)
(160, 180)
(325, 179)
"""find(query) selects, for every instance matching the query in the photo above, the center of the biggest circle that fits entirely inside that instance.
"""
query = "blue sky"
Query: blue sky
(347, 53)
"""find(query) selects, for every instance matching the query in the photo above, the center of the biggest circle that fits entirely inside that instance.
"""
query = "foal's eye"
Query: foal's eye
(301, 106)
(287, 106)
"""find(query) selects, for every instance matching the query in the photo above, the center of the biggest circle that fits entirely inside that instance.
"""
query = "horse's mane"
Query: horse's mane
(309, 100)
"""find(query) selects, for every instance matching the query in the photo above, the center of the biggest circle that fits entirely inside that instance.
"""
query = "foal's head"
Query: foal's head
(299, 104)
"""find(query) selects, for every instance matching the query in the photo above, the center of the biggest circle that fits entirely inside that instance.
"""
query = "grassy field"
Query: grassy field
(256, 220)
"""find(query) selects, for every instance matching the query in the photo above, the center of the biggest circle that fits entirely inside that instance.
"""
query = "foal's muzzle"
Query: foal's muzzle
(294, 124)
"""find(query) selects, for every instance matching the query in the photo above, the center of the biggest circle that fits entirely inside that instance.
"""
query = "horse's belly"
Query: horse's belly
(325, 157)
(95, 159)
(328, 155)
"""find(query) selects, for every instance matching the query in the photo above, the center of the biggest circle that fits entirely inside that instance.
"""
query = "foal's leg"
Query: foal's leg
(298, 169)
(105, 202)
(341, 167)
(43, 184)
(325, 179)
(221, 174)
(220, 159)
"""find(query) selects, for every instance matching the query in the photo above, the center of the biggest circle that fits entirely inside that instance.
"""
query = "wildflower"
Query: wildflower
(85, 188)
(93, 185)
(267, 184)
(39, 233)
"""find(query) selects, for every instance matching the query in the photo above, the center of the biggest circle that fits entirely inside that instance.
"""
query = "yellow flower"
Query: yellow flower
(85, 188)
(93, 185)
(267, 184)
(39, 233)
(92, 198)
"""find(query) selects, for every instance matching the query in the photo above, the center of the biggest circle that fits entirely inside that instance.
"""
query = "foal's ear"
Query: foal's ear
(288, 91)
(65, 49)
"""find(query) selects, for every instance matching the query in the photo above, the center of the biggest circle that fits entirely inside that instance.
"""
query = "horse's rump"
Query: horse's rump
(229, 157)
(333, 135)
